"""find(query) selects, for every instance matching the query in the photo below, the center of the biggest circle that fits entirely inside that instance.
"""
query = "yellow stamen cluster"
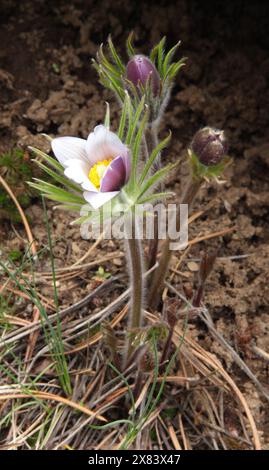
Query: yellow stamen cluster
(97, 171)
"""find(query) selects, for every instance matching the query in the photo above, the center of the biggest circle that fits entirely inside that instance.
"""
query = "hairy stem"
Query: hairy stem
(135, 259)
(136, 279)
(153, 244)
(151, 136)
(188, 197)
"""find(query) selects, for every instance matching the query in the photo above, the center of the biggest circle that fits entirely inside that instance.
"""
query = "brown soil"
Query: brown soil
(48, 85)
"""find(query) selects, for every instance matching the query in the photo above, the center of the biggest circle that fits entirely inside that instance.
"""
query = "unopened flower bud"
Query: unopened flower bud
(210, 146)
(140, 69)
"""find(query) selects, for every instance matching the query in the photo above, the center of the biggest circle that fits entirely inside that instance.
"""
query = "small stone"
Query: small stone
(227, 205)
(194, 267)
(117, 262)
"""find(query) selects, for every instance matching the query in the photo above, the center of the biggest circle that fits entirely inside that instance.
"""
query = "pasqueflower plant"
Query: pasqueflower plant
(122, 170)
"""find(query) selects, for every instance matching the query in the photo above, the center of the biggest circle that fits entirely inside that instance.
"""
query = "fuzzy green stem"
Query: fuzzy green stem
(159, 274)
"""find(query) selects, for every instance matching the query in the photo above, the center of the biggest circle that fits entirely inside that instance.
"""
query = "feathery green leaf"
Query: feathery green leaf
(153, 156)
(116, 56)
(129, 45)
(158, 176)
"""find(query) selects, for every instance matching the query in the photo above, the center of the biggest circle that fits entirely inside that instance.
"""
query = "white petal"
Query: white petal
(89, 186)
(78, 170)
(102, 144)
(67, 148)
(99, 199)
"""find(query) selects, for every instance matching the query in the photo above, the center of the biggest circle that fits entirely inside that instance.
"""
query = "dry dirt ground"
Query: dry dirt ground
(48, 85)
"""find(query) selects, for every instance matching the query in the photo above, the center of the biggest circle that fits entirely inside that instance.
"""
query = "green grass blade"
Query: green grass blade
(61, 363)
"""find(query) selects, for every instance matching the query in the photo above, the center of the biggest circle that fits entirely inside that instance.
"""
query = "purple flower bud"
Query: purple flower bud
(140, 69)
(210, 146)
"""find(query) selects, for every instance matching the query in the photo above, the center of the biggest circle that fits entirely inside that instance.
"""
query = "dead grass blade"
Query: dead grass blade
(207, 236)
(33, 336)
(174, 438)
(23, 217)
(51, 397)
(215, 365)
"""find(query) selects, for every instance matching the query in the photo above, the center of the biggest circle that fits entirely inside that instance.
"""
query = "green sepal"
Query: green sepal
(202, 171)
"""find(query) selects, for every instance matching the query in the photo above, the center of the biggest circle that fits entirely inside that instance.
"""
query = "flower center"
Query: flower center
(97, 171)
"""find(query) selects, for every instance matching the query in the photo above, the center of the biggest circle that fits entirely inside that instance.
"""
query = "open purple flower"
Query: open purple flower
(140, 69)
(100, 164)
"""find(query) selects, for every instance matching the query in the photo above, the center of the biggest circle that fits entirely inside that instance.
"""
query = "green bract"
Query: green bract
(202, 171)
(112, 74)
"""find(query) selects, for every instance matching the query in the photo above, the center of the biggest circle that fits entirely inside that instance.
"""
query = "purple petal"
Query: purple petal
(140, 69)
(115, 175)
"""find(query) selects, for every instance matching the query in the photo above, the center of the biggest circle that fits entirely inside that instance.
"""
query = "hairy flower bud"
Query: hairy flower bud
(140, 69)
(209, 145)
